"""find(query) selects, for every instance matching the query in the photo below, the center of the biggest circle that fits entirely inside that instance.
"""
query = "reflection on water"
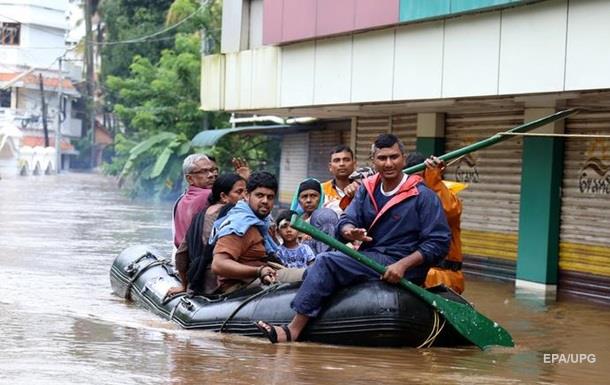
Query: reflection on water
(61, 324)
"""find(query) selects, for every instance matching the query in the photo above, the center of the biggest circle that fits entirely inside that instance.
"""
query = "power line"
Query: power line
(145, 37)
(135, 40)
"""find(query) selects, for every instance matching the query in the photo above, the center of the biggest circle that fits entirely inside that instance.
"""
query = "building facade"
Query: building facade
(441, 75)
(33, 39)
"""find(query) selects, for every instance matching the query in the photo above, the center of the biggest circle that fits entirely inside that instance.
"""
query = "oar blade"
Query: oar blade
(473, 325)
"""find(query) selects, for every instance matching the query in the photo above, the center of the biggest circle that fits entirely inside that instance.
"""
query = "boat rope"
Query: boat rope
(137, 273)
(437, 328)
(556, 135)
(261, 293)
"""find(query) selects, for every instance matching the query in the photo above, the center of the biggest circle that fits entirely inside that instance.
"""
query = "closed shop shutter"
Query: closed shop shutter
(346, 137)
(584, 255)
(321, 144)
(404, 126)
(293, 164)
(367, 129)
(491, 202)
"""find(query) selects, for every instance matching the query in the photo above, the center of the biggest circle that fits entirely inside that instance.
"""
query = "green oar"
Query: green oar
(474, 326)
(499, 137)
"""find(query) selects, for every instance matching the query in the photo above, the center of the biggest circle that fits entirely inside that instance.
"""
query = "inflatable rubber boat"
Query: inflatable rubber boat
(369, 314)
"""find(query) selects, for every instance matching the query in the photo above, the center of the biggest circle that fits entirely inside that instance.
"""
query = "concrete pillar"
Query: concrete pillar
(430, 133)
(540, 206)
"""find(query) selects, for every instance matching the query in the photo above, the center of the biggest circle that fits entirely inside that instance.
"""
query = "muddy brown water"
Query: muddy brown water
(61, 324)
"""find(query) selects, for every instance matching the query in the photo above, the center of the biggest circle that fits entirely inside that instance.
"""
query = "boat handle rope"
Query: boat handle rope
(265, 291)
(141, 271)
(437, 328)
(185, 299)
(131, 268)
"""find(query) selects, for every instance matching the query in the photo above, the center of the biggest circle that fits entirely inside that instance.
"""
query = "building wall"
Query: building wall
(43, 24)
(550, 46)
(288, 21)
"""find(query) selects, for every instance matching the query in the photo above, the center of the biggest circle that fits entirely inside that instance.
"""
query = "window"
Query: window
(9, 33)
(5, 98)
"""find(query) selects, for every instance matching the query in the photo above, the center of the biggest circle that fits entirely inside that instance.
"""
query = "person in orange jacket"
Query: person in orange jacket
(449, 271)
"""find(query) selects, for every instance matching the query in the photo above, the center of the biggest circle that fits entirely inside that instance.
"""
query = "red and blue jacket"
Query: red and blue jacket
(413, 219)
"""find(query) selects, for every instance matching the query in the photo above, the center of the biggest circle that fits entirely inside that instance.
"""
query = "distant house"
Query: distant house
(32, 38)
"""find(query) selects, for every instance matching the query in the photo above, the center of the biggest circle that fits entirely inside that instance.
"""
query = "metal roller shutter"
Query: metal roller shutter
(404, 126)
(491, 202)
(584, 254)
(293, 164)
(367, 129)
(320, 145)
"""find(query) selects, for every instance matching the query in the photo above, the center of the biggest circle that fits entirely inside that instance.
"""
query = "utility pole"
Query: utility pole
(44, 112)
(59, 119)
(206, 49)
(90, 75)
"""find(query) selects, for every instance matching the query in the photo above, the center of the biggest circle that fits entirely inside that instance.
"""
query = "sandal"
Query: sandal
(270, 333)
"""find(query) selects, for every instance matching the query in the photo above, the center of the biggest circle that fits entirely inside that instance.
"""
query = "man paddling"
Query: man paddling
(401, 225)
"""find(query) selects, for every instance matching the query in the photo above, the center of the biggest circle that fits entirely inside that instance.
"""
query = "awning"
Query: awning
(211, 137)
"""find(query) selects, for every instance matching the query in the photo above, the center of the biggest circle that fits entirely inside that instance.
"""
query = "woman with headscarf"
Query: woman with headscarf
(192, 258)
(309, 203)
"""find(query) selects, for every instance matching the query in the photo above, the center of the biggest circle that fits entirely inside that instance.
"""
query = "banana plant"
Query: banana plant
(154, 166)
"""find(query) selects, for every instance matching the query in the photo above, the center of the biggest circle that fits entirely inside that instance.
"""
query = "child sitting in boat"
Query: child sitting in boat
(291, 252)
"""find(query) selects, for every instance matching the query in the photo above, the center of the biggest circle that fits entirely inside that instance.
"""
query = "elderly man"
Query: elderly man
(401, 225)
(200, 172)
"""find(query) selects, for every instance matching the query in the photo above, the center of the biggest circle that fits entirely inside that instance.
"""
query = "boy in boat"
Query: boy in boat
(292, 253)
(401, 225)
(243, 245)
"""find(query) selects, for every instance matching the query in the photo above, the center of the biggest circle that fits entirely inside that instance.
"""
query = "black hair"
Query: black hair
(286, 214)
(212, 158)
(387, 140)
(415, 158)
(310, 184)
(341, 148)
(261, 179)
(223, 184)
(224, 210)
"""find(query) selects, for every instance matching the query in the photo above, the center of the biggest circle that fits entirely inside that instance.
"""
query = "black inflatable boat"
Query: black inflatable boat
(369, 314)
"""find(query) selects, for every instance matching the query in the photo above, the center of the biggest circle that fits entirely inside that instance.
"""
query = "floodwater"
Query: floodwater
(61, 324)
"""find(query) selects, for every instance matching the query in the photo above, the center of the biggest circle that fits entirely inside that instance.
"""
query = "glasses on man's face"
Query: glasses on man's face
(205, 171)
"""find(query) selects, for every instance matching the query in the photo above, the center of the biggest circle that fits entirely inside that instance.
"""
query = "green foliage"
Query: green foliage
(154, 89)
(262, 152)
(153, 167)
(162, 96)
(130, 19)
(122, 146)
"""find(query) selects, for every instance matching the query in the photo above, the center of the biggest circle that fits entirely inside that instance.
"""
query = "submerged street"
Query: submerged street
(62, 325)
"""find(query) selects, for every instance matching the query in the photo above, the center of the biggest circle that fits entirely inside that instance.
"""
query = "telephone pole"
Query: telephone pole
(44, 112)
(90, 75)
(59, 119)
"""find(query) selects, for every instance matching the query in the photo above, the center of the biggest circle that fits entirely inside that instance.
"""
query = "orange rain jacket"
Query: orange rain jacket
(452, 206)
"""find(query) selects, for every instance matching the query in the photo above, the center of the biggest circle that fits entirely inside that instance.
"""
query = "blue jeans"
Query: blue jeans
(332, 271)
